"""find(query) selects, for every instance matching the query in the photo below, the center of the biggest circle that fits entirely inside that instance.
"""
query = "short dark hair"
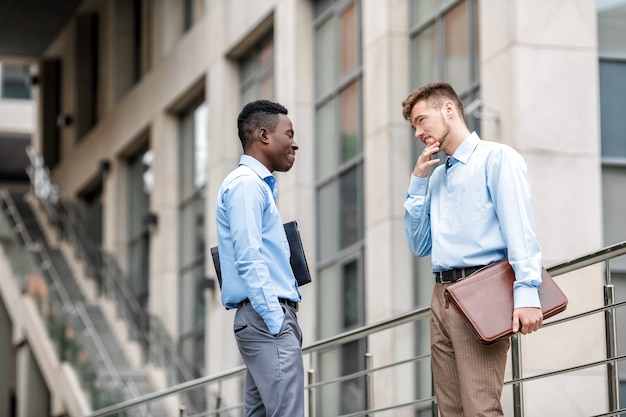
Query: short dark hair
(260, 114)
(435, 94)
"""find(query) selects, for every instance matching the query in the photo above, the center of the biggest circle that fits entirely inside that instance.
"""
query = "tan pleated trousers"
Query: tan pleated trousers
(468, 376)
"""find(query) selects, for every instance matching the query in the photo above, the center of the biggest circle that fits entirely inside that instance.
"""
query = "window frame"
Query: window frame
(189, 204)
(334, 262)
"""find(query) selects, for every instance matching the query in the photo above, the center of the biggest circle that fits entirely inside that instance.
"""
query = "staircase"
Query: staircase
(108, 370)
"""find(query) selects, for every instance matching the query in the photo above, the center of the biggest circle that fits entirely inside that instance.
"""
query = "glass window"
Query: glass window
(133, 46)
(614, 204)
(324, 58)
(325, 142)
(340, 214)
(192, 242)
(349, 39)
(256, 71)
(193, 11)
(139, 169)
(423, 10)
(339, 198)
(341, 289)
(351, 206)
(444, 44)
(457, 70)
(15, 82)
(612, 93)
(321, 6)
(425, 62)
(350, 122)
(327, 220)
(444, 47)
(612, 27)
(612, 71)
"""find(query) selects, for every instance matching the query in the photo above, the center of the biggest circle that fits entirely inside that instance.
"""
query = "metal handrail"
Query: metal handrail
(30, 244)
(116, 379)
(361, 332)
(329, 342)
(607, 253)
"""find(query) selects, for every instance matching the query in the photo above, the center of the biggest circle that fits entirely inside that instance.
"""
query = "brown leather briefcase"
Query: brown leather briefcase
(485, 300)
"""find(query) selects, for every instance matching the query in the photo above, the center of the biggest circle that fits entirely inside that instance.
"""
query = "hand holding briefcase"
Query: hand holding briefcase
(485, 300)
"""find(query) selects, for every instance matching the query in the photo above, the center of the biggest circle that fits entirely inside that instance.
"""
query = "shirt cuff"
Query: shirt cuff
(274, 320)
(417, 186)
(526, 297)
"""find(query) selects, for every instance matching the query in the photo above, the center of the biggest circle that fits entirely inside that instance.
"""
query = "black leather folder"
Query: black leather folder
(297, 260)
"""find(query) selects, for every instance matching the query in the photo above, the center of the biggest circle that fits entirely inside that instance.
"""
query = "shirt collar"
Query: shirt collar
(466, 148)
(261, 170)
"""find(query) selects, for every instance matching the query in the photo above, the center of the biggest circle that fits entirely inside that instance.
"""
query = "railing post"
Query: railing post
(218, 403)
(368, 382)
(611, 340)
(218, 399)
(311, 389)
(516, 367)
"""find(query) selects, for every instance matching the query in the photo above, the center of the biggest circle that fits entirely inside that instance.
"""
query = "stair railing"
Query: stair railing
(74, 313)
(98, 346)
(147, 329)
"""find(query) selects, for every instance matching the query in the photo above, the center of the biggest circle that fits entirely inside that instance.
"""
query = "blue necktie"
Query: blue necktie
(271, 181)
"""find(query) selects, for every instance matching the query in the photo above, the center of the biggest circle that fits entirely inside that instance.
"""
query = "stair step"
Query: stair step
(100, 325)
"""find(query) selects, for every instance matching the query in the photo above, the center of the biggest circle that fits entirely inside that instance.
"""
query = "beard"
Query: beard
(445, 132)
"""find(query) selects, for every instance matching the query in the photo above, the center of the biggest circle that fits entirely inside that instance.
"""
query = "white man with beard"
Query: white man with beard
(474, 210)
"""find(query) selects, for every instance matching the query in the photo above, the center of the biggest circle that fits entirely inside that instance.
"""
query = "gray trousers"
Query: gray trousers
(275, 374)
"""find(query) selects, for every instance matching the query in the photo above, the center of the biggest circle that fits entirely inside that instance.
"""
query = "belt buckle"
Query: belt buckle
(292, 304)
(442, 279)
(454, 278)
(463, 274)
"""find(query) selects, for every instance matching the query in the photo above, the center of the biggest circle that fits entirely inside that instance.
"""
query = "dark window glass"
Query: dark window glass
(256, 71)
(15, 82)
(193, 128)
(339, 198)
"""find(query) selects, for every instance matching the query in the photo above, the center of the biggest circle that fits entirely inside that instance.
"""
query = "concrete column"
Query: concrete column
(389, 281)
(294, 89)
(164, 237)
(539, 76)
(33, 397)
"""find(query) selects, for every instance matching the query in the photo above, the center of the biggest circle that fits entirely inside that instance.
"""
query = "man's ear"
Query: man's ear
(448, 109)
(263, 135)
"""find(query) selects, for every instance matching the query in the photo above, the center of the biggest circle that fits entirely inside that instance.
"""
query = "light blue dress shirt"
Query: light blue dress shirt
(475, 212)
(253, 246)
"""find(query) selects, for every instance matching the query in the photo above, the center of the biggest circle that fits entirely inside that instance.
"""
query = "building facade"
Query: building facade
(136, 124)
